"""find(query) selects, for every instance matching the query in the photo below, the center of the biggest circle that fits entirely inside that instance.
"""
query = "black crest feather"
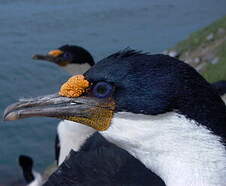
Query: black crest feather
(127, 52)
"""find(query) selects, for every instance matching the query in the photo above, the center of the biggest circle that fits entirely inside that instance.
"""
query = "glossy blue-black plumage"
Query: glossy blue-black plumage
(76, 54)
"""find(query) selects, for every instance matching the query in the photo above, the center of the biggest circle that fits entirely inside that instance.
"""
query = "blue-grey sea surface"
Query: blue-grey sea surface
(103, 27)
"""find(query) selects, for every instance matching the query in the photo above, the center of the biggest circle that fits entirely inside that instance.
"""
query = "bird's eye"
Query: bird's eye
(102, 89)
(67, 55)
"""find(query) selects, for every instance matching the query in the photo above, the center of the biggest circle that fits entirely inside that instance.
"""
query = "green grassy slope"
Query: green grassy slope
(206, 50)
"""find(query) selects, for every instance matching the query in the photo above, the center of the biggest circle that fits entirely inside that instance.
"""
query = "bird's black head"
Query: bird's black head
(142, 83)
(137, 83)
(155, 84)
(26, 164)
(67, 54)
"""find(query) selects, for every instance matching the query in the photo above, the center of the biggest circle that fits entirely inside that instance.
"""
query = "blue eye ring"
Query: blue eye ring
(102, 89)
(67, 55)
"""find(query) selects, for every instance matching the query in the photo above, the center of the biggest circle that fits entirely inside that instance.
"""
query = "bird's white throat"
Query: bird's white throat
(177, 149)
(72, 136)
(75, 68)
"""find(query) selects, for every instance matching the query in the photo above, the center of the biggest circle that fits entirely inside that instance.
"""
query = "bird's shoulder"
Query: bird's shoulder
(100, 162)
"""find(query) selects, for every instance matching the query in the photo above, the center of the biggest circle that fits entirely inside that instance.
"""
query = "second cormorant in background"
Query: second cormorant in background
(31, 177)
(74, 59)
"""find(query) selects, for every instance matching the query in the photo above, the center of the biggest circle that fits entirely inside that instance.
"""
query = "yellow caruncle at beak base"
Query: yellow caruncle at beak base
(55, 53)
(74, 87)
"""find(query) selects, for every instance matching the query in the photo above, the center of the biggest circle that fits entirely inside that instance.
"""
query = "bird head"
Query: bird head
(128, 81)
(67, 54)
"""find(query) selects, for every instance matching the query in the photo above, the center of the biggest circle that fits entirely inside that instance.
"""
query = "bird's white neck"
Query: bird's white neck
(181, 152)
(75, 68)
(72, 136)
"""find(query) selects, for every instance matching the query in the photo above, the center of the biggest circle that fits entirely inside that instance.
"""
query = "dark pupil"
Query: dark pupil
(101, 89)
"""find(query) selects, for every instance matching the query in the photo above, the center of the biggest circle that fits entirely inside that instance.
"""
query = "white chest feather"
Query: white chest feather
(71, 136)
(175, 148)
(75, 68)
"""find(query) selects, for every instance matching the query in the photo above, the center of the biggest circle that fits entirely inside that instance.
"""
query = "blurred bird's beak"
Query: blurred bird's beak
(54, 56)
(94, 112)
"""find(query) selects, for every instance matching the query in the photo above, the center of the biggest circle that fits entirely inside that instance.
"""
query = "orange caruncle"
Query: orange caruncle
(55, 53)
(74, 87)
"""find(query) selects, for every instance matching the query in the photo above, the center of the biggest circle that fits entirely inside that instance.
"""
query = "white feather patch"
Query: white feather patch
(75, 68)
(72, 135)
(181, 152)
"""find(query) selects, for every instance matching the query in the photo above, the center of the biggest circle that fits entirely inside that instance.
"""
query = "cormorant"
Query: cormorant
(31, 177)
(74, 59)
(181, 130)
(157, 108)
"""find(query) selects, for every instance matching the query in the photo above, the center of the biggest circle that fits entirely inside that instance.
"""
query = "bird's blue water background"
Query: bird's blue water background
(103, 27)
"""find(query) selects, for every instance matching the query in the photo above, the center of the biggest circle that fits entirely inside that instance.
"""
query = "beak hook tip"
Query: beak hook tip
(34, 57)
(10, 116)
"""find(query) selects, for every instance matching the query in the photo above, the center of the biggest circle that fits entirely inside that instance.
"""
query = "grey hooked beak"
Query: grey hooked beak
(47, 57)
(91, 111)
(49, 106)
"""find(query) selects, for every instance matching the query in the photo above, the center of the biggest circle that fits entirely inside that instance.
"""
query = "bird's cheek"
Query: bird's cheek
(97, 117)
